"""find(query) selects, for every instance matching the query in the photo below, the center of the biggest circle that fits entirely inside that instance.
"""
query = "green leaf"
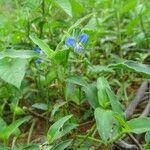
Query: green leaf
(91, 95)
(91, 25)
(147, 136)
(41, 106)
(133, 66)
(12, 127)
(106, 96)
(128, 6)
(67, 129)
(26, 147)
(54, 131)
(61, 56)
(3, 125)
(62, 145)
(103, 86)
(56, 108)
(43, 46)
(115, 104)
(104, 122)
(18, 54)
(65, 5)
(76, 7)
(100, 69)
(77, 80)
(13, 70)
(139, 125)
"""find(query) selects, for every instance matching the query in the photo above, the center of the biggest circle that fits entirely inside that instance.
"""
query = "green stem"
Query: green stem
(31, 131)
(87, 135)
(144, 31)
(90, 138)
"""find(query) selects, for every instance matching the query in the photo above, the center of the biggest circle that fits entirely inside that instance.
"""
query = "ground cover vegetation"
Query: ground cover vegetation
(74, 74)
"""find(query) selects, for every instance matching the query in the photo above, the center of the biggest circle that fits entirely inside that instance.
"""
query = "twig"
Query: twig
(140, 94)
(123, 145)
(135, 141)
(85, 123)
(129, 112)
(34, 113)
(86, 136)
(146, 111)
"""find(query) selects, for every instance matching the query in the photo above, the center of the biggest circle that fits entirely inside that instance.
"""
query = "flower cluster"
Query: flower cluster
(37, 49)
(77, 44)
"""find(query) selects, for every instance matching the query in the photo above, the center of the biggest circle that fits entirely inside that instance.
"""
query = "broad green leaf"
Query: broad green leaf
(61, 56)
(13, 70)
(133, 66)
(65, 5)
(18, 54)
(63, 145)
(115, 104)
(43, 46)
(67, 129)
(102, 87)
(77, 80)
(54, 131)
(41, 106)
(56, 108)
(139, 125)
(100, 69)
(120, 120)
(91, 25)
(12, 127)
(91, 95)
(104, 122)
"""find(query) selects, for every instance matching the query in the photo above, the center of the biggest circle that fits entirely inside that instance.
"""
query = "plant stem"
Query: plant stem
(87, 135)
(31, 131)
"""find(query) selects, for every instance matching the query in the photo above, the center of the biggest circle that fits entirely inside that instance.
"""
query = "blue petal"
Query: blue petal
(83, 38)
(38, 61)
(78, 48)
(70, 41)
(37, 49)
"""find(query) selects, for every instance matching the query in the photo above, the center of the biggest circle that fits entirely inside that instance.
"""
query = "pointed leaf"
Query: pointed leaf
(13, 126)
(66, 6)
(43, 46)
(133, 66)
(13, 70)
(104, 122)
(54, 130)
(139, 125)
(18, 54)
(77, 80)
(63, 145)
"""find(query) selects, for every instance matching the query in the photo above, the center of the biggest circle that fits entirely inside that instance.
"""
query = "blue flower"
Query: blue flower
(72, 42)
(83, 38)
(37, 49)
(38, 61)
